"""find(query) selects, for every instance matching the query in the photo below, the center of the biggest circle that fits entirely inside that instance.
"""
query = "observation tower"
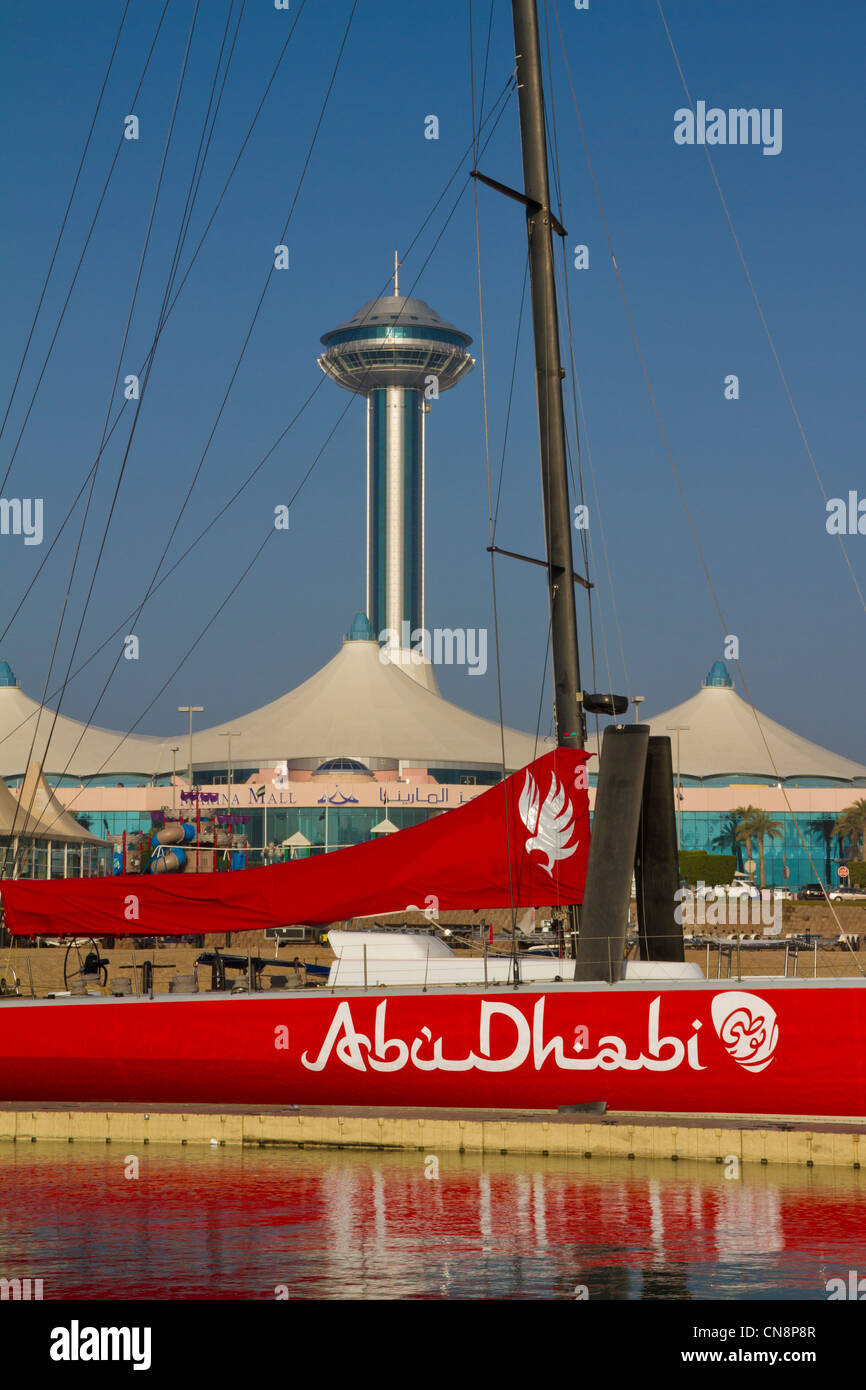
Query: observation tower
(400, 355)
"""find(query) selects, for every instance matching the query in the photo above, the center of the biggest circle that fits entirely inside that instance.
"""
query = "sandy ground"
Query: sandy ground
(45, 964)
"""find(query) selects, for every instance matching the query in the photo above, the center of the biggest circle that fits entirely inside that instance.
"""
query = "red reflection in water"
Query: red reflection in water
(245, 1224)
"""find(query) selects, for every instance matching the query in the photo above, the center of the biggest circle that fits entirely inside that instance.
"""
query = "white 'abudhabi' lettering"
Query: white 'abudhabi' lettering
(426, 1053)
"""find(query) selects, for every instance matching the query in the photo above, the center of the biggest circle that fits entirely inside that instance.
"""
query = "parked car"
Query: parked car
(847, 895)
(740, 888)
(811, 891)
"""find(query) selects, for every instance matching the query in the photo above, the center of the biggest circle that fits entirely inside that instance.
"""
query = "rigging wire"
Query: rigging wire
(678, 481)
(796, 414)
(493, 514)
(117, 371)
(145, 364)
(588, 546)
(501, 102)
(66, 213)
(501, 98)
(484, 73)
(764, 324)
(195, 178)
(505, 94)
(576, 396)
(513, 908)
(80, 262)
(510, 399)
(210, 622)
(232, 380)
(145, 380)
(259, 304)
(202, 154)
(195, 253)
(195, 181)
(586, 542)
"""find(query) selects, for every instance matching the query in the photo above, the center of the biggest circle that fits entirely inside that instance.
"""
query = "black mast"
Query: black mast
(570, 718)
(633, 821)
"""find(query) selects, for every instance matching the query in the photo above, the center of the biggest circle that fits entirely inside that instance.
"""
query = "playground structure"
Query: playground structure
(208, 845)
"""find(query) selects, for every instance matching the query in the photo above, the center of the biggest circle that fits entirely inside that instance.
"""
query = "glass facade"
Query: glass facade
(133, 822)
(116, 779)
(64, 859)
(391, 331)
(337, 827)
(368, 359)
(343, 826)
(703, 830)
(217, 777)
(711, 831)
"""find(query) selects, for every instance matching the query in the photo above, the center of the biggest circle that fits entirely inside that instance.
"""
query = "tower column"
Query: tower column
(397, 455)
(394, 352)
(395, 509)
(370, 512)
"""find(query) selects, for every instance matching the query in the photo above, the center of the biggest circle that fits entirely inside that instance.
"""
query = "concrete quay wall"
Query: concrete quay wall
(705, 1139)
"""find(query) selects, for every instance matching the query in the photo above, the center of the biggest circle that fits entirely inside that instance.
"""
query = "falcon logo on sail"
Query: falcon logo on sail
(549, 824)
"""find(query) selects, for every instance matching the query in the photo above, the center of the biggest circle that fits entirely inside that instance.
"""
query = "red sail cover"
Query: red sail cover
(477, 856)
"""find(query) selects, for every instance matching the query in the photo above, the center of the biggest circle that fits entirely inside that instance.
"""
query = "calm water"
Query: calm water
(223, 1223)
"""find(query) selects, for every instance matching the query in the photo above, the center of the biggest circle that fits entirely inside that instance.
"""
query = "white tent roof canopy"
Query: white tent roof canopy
(360, 706)
(38, 799)
(720, 736)
(35, 812)
(356, 706)
(76, 749)
(13, 818)
(384, 827)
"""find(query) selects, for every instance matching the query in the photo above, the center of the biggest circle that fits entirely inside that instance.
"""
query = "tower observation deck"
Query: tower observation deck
(399, 354)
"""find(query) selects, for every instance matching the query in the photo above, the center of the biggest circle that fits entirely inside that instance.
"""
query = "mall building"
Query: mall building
(362, 747)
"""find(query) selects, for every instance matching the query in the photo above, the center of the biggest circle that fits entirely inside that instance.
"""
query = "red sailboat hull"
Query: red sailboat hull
(777, 1048)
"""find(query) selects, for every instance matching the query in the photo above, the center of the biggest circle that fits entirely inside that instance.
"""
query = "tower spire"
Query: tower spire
(397, 264)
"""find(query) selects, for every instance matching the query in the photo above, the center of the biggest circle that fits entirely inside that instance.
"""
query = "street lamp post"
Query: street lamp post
(679, 729)
(190, 710)
(234, 733)
(174, 777)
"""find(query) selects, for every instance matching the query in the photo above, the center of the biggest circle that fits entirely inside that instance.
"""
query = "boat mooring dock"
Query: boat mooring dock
(800, 1142)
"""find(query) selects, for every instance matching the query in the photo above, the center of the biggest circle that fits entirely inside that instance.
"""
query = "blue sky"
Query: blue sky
(370, 184)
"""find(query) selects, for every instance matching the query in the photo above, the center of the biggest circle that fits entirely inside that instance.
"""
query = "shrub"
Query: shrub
(696, 866)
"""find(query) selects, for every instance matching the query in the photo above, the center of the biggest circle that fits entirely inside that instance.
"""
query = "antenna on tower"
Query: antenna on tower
(396, 277)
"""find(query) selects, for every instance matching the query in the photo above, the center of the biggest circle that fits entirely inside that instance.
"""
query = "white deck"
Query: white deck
(415, 958)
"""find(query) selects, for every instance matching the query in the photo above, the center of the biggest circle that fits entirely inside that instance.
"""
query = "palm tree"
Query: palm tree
(761, 825)
(851, 825)
(743, 817)
(728, 837)
(824, 828)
